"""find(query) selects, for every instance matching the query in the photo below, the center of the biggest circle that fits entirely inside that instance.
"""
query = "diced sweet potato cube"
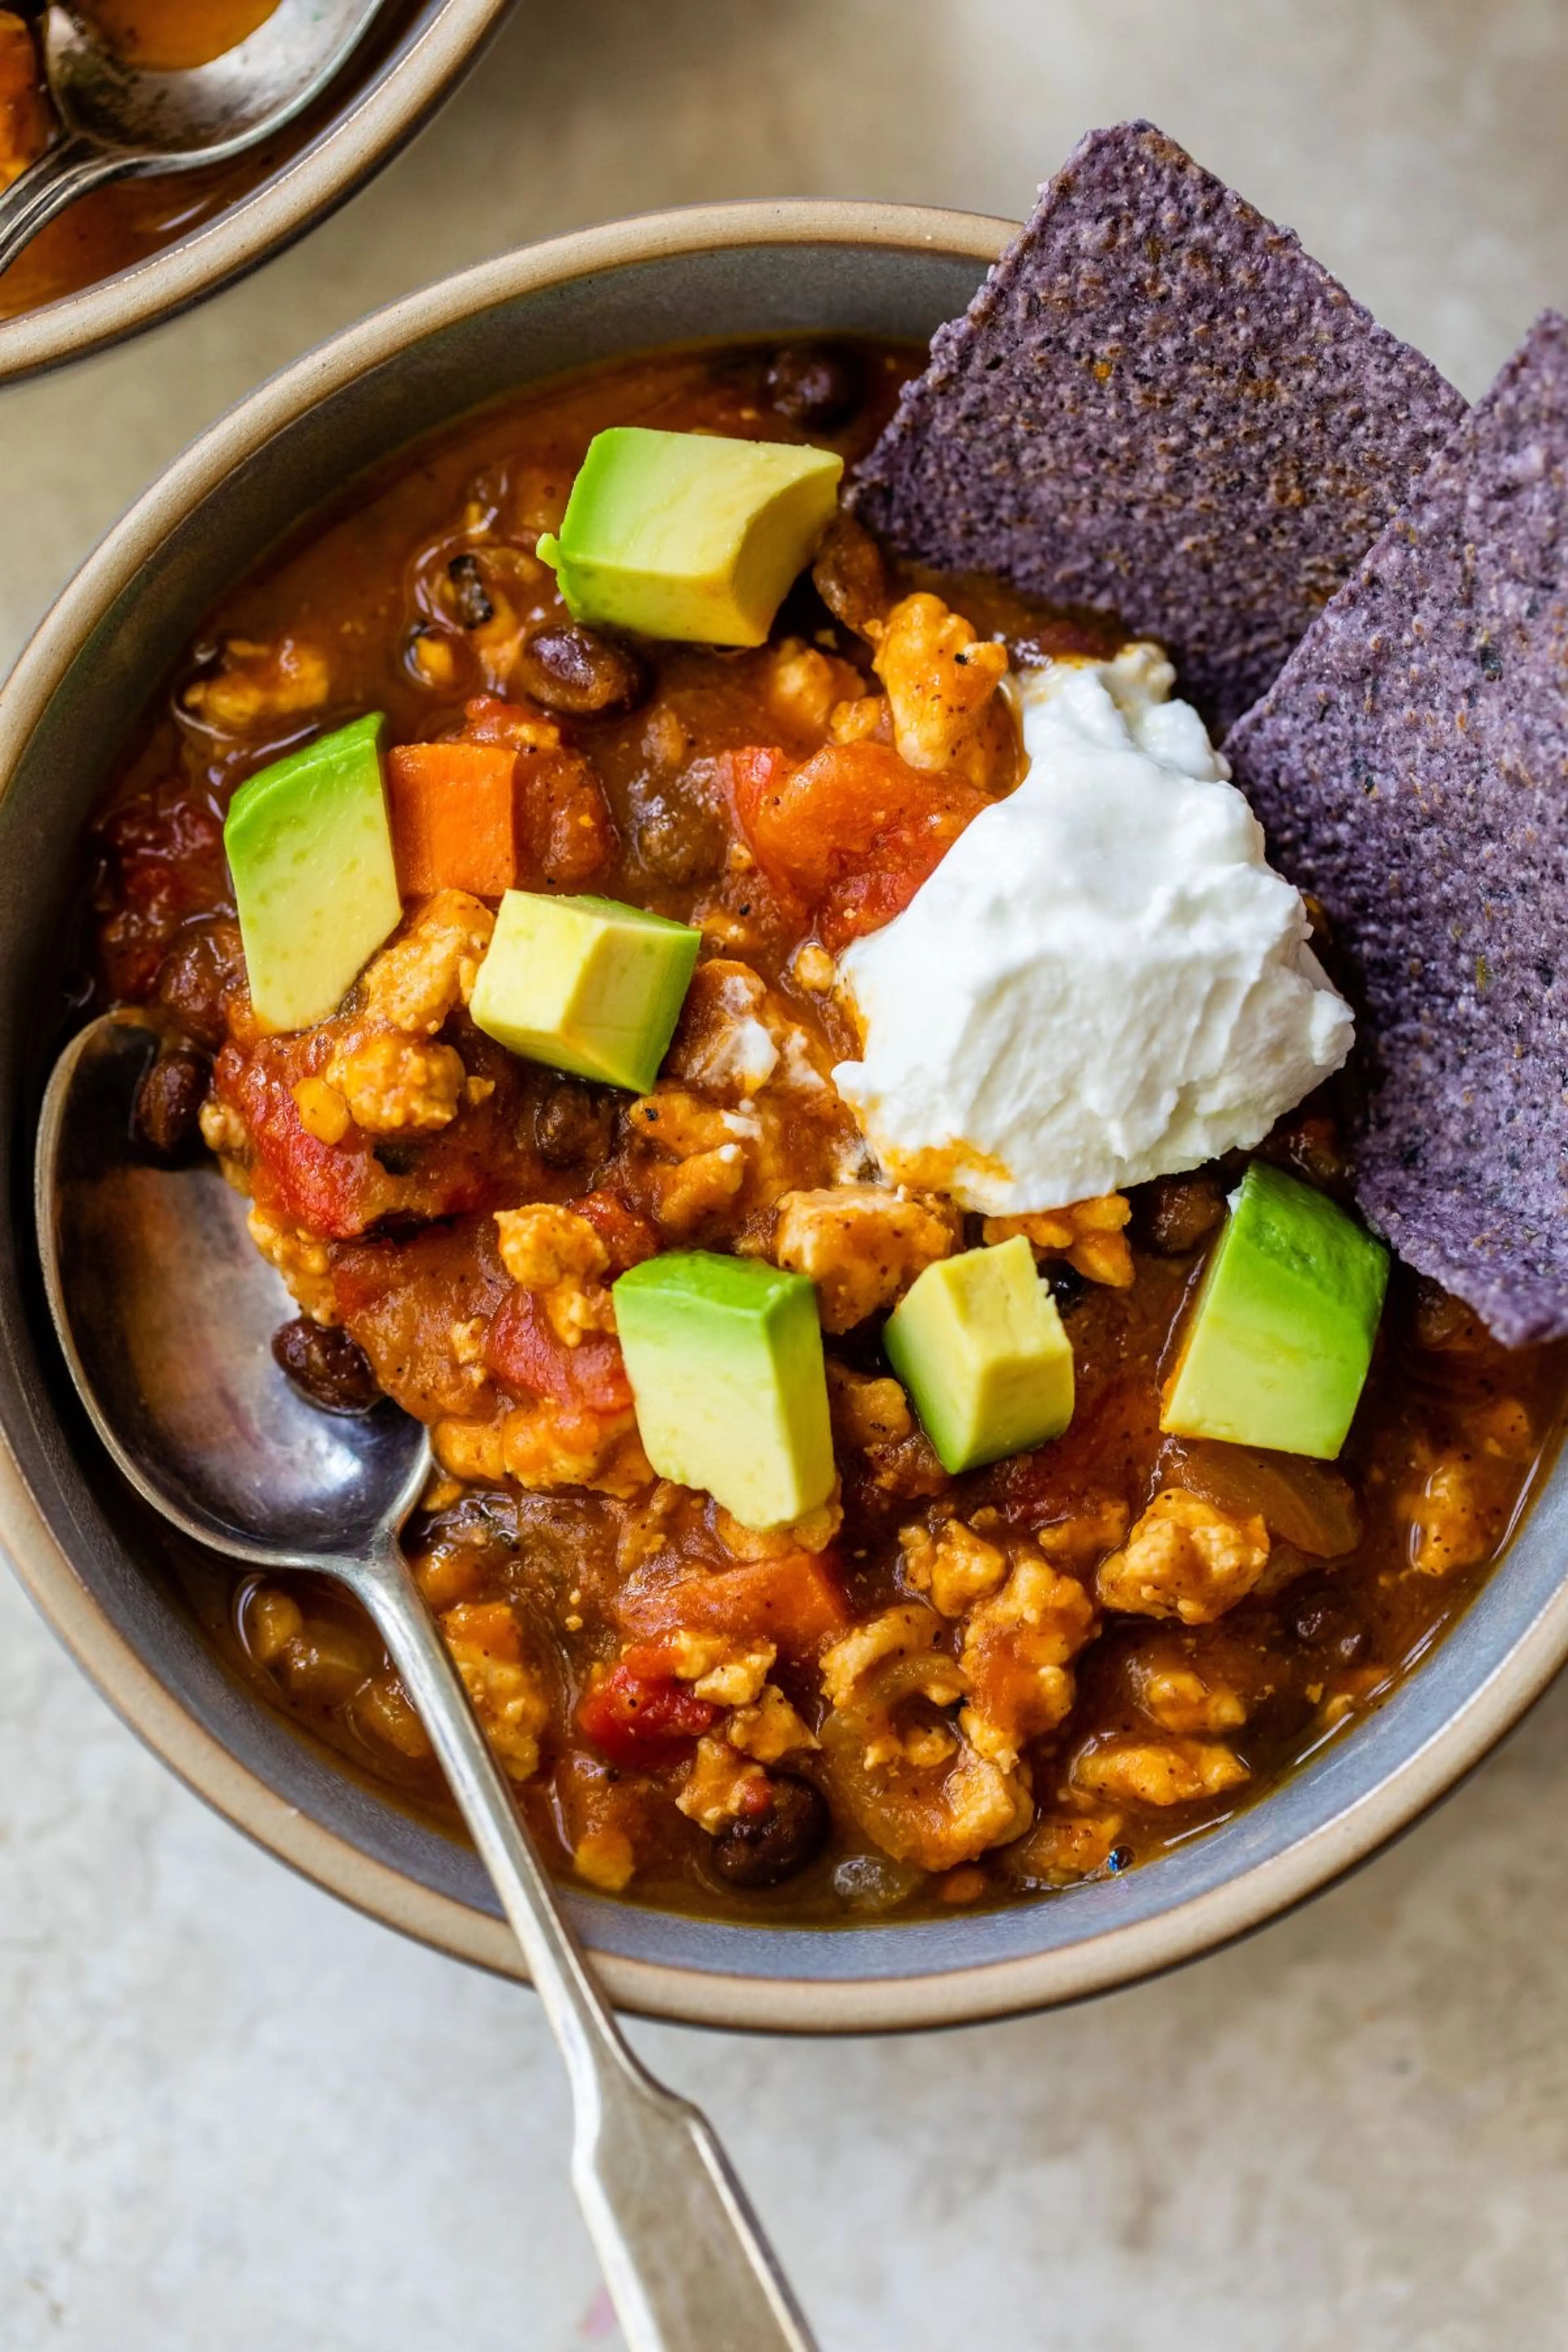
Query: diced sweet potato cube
(453, 817)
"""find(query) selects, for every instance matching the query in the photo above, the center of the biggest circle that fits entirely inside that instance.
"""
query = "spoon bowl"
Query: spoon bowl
(120, 119)
(190, 1403)
(199, 114)
(164, 1310)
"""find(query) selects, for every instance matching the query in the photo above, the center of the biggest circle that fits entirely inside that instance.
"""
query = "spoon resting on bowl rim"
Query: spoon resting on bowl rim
(121, 121)
(165, 1313)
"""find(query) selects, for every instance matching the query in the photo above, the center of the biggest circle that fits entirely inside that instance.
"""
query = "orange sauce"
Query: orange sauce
(167, 36)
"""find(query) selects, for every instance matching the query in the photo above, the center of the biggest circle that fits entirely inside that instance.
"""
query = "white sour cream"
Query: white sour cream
(1103, 981)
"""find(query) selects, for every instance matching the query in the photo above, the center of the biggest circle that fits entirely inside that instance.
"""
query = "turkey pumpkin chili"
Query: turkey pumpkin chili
(801, 1074)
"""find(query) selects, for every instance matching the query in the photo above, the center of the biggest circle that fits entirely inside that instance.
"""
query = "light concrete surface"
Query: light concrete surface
(234, 2118)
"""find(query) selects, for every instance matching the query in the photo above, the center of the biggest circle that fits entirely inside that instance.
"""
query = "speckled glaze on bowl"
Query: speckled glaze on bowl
(93, 1565)
(377, 115)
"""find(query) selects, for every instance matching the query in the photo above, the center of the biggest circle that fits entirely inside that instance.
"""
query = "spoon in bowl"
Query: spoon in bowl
(164, 1311)
(122, 120)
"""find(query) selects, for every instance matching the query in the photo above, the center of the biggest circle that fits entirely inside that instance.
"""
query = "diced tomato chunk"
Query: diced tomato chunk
(449, 1263)
(862, 903)
(527, 1355)
(644, 1721)
(796, 1601)
(336, 1190)
(1110, 1448)
(402, 1300)
(627, 1234)
(164, 858)
(491, 718)
(340, 1190)
(160, 830)
(852, 832)
(566, 832)
(755, 777)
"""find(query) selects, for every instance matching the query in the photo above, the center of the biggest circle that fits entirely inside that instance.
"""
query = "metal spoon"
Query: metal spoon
(122, 121)
(165, 1311)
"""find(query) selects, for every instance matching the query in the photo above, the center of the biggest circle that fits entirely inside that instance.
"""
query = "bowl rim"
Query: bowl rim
(1117, 1955)
(378, 119)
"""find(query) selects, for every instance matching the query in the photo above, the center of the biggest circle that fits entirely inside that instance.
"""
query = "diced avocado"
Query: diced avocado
(687, 534)
(979, 1344)
(724, 1355)
(1280, 1339)
(310, 848)
(585, 985)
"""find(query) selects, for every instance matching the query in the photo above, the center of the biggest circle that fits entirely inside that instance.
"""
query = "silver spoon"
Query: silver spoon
(122, 121)
(166, 1312)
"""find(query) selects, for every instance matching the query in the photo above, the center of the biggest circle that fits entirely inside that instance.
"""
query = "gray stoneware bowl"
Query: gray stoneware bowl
(378, 114)
(742, 269)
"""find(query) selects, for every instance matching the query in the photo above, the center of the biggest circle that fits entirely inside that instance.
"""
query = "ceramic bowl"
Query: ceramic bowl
(381, 107)
(94, 1567)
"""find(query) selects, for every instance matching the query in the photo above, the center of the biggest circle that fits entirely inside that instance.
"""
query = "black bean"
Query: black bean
(169, 1101)
(574, 1126)
(1176, 1213)
(1310, 1144)
(326, 1366)
(1067, 1284)
(850, 576)
(1321, 1617)
(1313, 1610)
(197, 978)
(399, 1159)
(815, 385)
(581, 675)
(762, 1848)
(473, 606)
(679, 840)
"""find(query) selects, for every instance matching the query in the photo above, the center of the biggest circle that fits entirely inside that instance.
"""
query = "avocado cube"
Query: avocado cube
(724, 1356)
(689, 534)
(979, 1344)
(585, 985)
(1280, 1339)
(310, 846)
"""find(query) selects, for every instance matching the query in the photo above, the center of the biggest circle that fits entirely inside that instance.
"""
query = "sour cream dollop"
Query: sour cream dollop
(1104, 979)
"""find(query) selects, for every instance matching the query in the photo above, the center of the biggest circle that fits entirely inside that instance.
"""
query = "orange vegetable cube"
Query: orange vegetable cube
(453, 819)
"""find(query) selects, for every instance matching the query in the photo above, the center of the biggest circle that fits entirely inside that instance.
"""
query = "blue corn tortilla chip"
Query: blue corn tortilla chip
(1158, 404)
(1410, 766)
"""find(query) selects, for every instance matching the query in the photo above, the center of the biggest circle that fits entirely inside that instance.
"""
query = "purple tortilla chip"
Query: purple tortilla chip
(1410, 766)
(1158, 404)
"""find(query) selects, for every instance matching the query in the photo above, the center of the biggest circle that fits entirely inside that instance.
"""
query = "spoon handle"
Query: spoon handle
(62, 173)
(684, 2257)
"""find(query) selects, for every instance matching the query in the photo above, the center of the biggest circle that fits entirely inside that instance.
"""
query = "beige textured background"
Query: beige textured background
(234, 2118)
